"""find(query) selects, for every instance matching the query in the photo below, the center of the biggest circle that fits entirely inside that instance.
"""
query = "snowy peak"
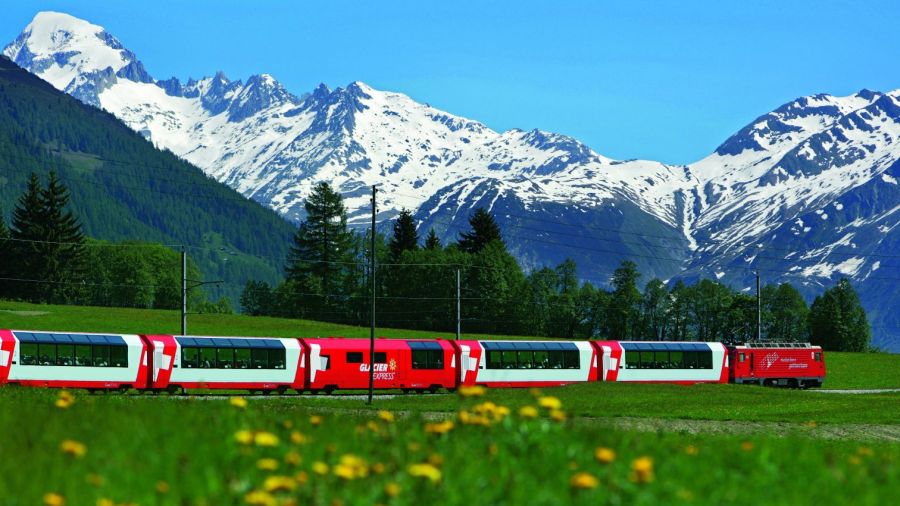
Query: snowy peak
(60, 48)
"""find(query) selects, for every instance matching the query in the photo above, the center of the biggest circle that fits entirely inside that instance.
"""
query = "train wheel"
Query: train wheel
(281, 390)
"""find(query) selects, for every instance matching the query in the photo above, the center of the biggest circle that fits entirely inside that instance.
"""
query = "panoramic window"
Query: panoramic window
(354, 357)
(430, 359)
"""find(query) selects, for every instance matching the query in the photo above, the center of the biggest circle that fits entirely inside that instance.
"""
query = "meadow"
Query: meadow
(111, 450)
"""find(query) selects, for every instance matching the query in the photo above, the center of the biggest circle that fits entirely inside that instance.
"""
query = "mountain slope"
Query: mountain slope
(124, 188)
(790, 183)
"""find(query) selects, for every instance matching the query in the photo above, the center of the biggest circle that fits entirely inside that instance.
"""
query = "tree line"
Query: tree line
(46, 258)
(415, 287)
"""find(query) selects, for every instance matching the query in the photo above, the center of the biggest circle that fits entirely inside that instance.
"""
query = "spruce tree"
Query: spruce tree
(484, 230)
(837, 320)
(405, 237)
(321, 246)
(624, 305)
(5, 257)
(432, 242)
(26, 229)
(64, 247)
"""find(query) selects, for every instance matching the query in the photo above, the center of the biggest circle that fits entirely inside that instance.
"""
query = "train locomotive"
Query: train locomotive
(168, 363)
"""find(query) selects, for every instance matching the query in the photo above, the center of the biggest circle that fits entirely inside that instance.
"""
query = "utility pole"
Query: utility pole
(458, 311)
(758, 311)
(183, 292)
(372, 330)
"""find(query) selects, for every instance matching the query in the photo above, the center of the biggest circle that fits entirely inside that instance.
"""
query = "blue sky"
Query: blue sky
(666, 81)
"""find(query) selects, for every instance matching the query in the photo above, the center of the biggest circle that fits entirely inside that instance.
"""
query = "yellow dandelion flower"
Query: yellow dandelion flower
(320, 468)
(413, 446)
(528, 412)
(53, 499)
(292, 458)
(351, 467)
(691, 450)
(439, 427)
(105, 502)
(472, 391)
(583, 480)
(854, 460)
(238, 402)
(95, 479)
(386, 416)
(811, 423)
(162, 487)
(435, 460)
(298, 438)
(265, 439)
(287, 424)
(558, 415)
(243, 437)
(301, 477)
(73, 448)
(641, 470)
(747, 446)
(425, 471)
(392, 489)
(259, 498)
(373, 426)
(378, 468)
(605, 455)
(267, 464)
(279, 484)
(315, 420)
(535, 392)
(549, 402)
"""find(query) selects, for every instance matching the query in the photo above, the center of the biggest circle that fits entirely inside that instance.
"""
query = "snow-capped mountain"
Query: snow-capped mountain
(812, 182)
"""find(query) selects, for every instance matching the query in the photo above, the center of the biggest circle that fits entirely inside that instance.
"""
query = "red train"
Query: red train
(176, 363)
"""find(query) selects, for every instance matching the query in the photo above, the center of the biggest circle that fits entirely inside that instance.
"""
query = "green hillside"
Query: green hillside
(125, 189)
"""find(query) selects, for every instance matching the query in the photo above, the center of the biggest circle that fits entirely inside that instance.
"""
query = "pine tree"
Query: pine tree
(405, 237)
(432, 242)
(321, 246)
(624, 305)
(27, 228)
(64, 247)
(484, 230)
(837, 320)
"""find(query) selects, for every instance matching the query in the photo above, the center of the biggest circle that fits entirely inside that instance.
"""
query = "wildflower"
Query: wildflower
(747, 446)
(351, 467)
(425, 471)
(315, 420)
(279, 484)
(265, 439)
(95, 479)
(302, 477)
(287, 424)
(558, 415)
(392, 489)
(439, 427)
(259, 498)
(65, 399)
(691, 450)
(535, 392)
(162, 487)
(298, 438)
(73, 448)
(320, 468)
(854, 460)
(238, 402)
(373, 426)
(52, 499)
(386, 416)
(528, 412)
(267, 464)
(292, 458)
(549, 402)
(413, 446)
(604, 455)
(105, 502)
(472, 391)
(378, 468)
(642, 470)
(811, 423)
(864, 450)
(583, 480)
(435, 460)
(243, 437)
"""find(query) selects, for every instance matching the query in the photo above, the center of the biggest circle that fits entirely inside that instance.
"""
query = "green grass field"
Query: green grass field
(161, 450)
